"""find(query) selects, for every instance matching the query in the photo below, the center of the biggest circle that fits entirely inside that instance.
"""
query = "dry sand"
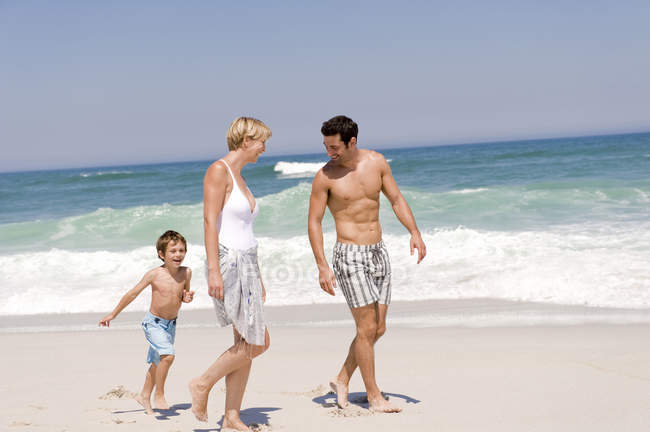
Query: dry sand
(593, 377)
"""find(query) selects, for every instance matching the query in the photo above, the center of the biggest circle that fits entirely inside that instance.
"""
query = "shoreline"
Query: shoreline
(463, 313)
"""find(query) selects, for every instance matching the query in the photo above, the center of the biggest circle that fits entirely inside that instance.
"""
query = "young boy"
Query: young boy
(170, 285)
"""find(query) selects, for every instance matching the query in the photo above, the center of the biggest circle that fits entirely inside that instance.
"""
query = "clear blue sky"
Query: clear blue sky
(85, 83)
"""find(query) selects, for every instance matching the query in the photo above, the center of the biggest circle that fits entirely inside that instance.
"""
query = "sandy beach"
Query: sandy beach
(579, 377)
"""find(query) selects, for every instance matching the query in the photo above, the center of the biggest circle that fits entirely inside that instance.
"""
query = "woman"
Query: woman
(234, 281)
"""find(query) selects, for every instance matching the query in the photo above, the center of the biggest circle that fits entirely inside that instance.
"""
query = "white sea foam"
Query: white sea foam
(467, 191)
(298, 169)
(596, 266)
(101, 173)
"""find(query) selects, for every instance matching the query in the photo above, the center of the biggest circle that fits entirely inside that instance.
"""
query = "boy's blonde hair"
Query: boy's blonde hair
(244, 127)
(168, 237)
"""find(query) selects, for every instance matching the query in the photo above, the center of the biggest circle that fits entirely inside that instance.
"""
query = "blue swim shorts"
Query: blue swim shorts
(160, 334)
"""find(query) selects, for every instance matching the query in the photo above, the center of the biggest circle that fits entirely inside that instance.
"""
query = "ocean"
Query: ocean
(558, 221)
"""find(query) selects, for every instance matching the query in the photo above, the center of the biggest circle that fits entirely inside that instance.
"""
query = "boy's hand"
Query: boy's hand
(106, 321)
(188, 296)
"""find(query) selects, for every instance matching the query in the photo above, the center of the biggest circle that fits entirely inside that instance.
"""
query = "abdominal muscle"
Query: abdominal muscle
(354, 232)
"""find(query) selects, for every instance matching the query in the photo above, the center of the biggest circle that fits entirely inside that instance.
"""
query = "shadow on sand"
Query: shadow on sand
(250, 416)
(161, 414)
(358, 398)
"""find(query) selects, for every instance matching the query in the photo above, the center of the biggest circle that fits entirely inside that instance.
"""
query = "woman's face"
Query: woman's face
(254, 148)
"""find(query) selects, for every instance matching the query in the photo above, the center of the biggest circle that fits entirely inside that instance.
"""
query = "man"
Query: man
(349, 185)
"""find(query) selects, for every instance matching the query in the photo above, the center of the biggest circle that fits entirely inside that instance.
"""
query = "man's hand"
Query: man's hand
(106, 321)
(417, 243)
(215, 285)
(326, 279)
(188, 296)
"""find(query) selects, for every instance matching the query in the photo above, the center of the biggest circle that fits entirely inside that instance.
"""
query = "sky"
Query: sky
(85, 83)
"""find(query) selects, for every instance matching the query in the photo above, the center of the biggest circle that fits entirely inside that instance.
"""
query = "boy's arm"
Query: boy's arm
(188, 295)
(401, 208)
(128, 298)
(317, 204)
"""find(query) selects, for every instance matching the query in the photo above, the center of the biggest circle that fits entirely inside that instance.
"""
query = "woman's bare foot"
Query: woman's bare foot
(159, 402)
(341, 391)
(199, 400)
(383, 406)
(235, 424)
(144, 401)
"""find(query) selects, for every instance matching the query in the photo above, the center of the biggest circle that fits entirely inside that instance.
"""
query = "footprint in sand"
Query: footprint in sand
(321, 390)
(256, 427)
(118, 392)
(349, 411)
(19, 424)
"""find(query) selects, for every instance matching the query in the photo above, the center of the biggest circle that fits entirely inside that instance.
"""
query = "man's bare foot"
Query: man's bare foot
(383, 406)
(199, 400)
(159, 402)
(341, 391)
(144, 401)
(235, 424)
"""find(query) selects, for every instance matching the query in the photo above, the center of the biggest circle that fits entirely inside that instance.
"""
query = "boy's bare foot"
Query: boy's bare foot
(160, 402)
(383, 406)
(199, 400)
(144, 401)
(341, 391)
(235, 424)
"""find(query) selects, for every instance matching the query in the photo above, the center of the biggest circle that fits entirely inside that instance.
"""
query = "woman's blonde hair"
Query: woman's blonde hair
(244, 127)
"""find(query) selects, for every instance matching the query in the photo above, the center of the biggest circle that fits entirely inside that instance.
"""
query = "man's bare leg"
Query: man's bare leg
(161, 376)
(144, 398)
(342, 380)
(232, 359)
(366, 320)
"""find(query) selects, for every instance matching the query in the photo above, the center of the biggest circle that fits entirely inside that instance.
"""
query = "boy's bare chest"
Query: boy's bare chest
(167, 286)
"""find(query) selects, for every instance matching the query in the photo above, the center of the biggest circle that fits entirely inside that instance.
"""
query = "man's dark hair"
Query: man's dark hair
(341, 125)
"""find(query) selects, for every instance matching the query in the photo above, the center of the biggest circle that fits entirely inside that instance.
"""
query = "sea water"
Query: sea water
(564, 221)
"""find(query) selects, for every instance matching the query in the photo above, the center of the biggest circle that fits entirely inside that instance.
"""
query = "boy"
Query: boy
(170, 285)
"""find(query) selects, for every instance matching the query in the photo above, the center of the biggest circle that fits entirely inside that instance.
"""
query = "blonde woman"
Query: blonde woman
(234, 281)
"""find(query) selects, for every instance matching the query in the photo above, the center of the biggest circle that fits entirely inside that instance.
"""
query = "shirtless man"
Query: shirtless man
(349, 185)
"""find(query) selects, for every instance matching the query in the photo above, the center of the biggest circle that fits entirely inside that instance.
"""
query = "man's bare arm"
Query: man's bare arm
(401, 209)
(317, 205)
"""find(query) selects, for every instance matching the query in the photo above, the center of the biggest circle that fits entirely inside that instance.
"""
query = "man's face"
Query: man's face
(335, 146)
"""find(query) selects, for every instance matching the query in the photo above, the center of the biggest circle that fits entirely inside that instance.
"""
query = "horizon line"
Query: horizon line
(411, 146)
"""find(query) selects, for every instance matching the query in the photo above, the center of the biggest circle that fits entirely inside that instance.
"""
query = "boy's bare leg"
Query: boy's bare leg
(161, 376)
(364, 353)
(232, 359)
(144, 398)
(342, 380)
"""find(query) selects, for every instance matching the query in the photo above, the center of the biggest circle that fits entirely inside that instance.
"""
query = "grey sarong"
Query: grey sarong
(242, 294)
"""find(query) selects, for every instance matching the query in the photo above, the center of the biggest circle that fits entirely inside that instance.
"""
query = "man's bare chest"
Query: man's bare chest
(355, 186)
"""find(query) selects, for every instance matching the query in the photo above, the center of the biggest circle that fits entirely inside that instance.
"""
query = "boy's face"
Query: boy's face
(174, 254)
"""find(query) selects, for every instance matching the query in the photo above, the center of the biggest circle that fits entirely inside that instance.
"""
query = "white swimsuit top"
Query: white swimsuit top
(235, 222)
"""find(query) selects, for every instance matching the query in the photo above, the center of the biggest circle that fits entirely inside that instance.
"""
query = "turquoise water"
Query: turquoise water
(562, 220)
